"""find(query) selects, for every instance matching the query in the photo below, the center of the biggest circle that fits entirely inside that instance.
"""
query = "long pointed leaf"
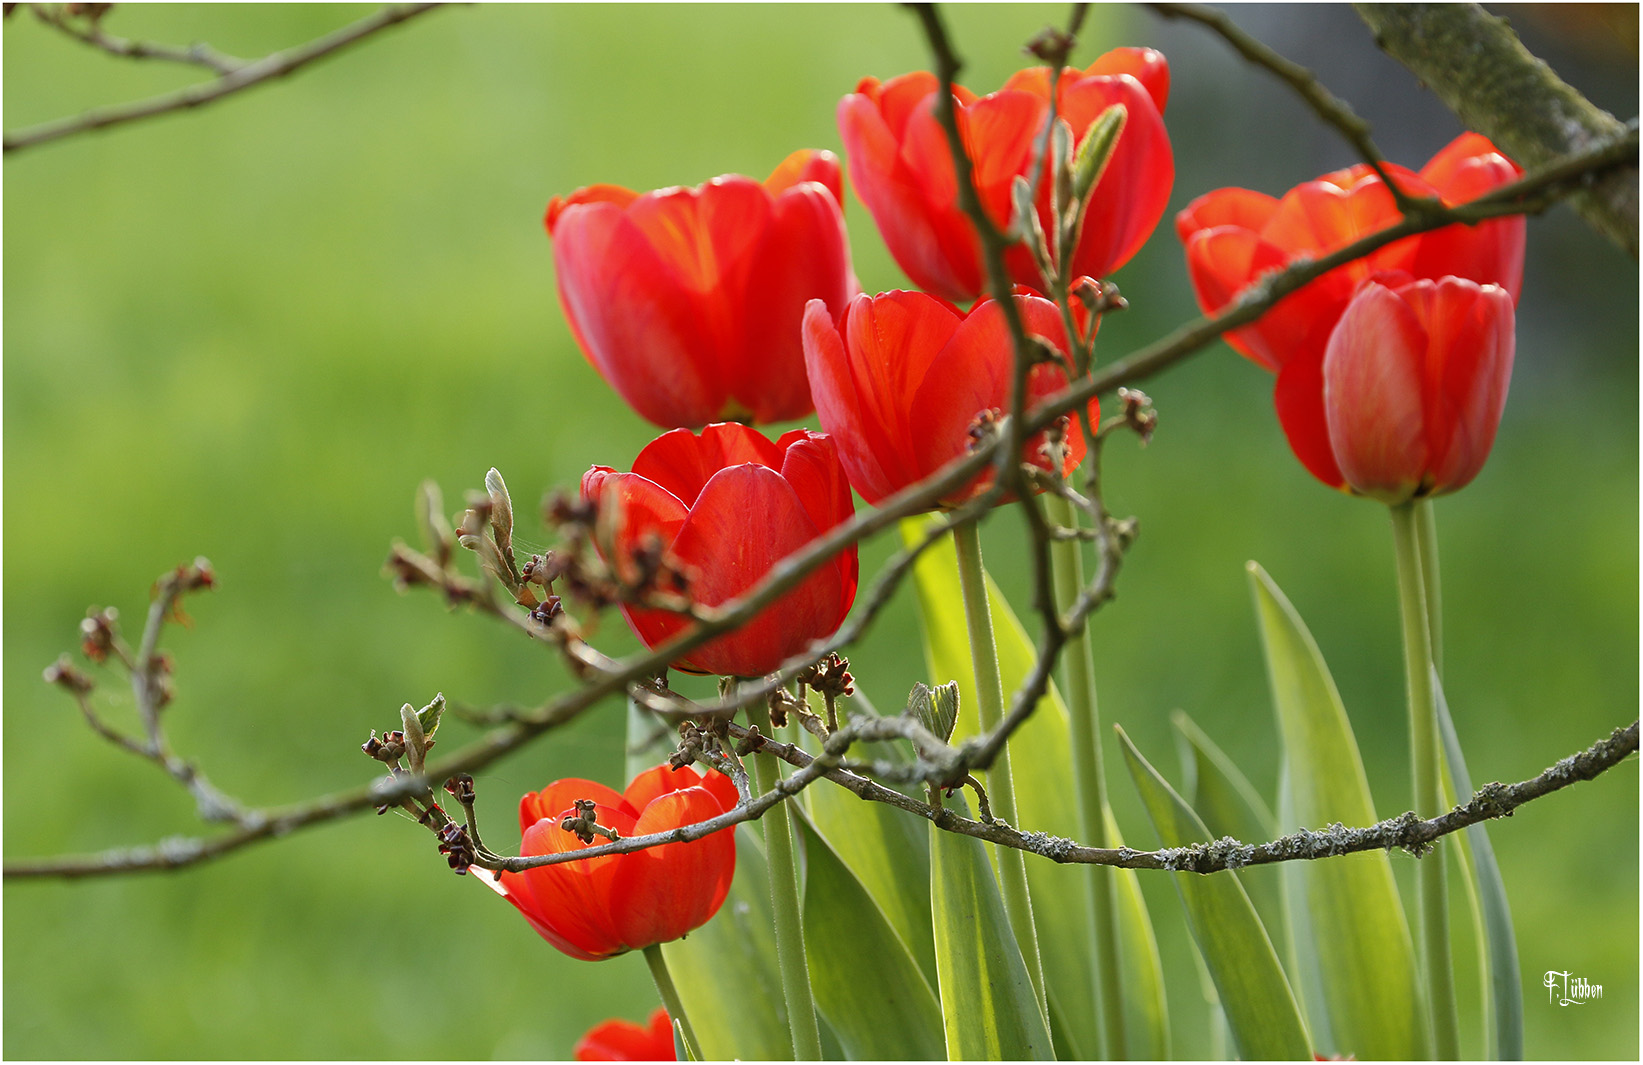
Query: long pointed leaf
(1043, 805)
(987, 1003)
(1507, 994)
(1366, 955)
(1260, 1008)
(1146, 1015)
(1230, 806)
(893, 1015)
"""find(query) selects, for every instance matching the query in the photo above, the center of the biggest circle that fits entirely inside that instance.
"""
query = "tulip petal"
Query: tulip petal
(893, 342)
(1243, 208)
(682, 462)
(1146, 65)
(614, 194)
(779, 284)
(630, 315)
(555, 799)
(1135, 187)
(660, 780)
(568, 904)
(746, 520)
(1298, 396)
(1372, 395)
(619, 1040)
(661, 893)
(934, 242)
(860, 441)
(894, 196)
(1471, 343)
(1490, 252)
(811, 466)
(807, 164)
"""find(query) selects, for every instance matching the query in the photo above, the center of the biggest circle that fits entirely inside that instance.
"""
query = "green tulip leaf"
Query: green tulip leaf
(1146, 1017)
(1261, 1012)
(887, 852)
(1503, 996)
(1366, 957)
(681, 1049)
(988, 1008)
(1042, 805)
(889, 1013)
(1229, 805)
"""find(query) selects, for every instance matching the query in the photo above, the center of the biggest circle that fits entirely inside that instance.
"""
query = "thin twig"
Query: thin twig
(277, 65)
(1534, 191)
(1334, 111)
(198, 54)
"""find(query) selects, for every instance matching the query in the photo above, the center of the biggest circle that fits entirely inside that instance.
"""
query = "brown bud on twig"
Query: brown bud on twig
(98, 632)
(983, 427)
(462, 787)
(63, 674)
(458, 847)
(1138, 413)
(1099, 297)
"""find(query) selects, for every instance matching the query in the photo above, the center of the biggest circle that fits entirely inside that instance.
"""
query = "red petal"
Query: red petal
(812, 467)
(569, 904)
(745, 521)
(619, 1040)
(1146, 65)
(1243, 208)
(805, 255)
(1299, 397)
(682, 462)
(1471, 343)
(1372, 375)
(645, 333)
(615, 194)
(808, 164)
(942, 254)
(839, 406)
(662, 893)
(1135, 187)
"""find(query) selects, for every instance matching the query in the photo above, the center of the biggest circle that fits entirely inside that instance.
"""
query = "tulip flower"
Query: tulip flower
(601, 907)
(688, 300)
(618, 1040)
(903, 171)
(724, 507)
(1233, 236)
(902, 377)
(1414, 382)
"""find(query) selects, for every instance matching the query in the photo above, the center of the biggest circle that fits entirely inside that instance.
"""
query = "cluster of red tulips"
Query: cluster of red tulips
(713, 308)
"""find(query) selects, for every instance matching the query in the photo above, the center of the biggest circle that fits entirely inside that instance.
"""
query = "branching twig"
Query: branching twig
(198, 54)
(242, 76)
(1533, 192)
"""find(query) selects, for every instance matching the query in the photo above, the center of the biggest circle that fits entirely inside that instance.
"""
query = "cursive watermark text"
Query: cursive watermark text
(1565, 989)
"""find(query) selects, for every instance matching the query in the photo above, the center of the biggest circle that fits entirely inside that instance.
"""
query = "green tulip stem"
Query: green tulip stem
(784, 901)
(1012, 867)
(1067, 562)
(1428, 775)
(670, 998)
(1426, 527)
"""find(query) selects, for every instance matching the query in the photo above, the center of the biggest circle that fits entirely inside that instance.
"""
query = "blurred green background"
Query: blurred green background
(249, 332)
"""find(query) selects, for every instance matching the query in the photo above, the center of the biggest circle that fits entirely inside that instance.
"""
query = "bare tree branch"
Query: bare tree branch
(231, 80)
(1479, 68)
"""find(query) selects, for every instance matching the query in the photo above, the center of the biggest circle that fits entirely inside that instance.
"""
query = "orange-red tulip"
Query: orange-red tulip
(900, 380)
(726, 506)
(618, 1040)
(1233, 236)
(1415, 380)
(902, 169)
(688, 300)
(601, 907)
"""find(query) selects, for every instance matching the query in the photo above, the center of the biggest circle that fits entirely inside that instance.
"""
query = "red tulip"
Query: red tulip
(1233, 236)
(688, 300)
(618, 1040)
(1414, 382)
(601, 907)
(726, 506)
(900, 380)
(903, 171)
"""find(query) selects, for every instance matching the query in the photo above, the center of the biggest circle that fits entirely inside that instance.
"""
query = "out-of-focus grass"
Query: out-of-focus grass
(249, 332)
